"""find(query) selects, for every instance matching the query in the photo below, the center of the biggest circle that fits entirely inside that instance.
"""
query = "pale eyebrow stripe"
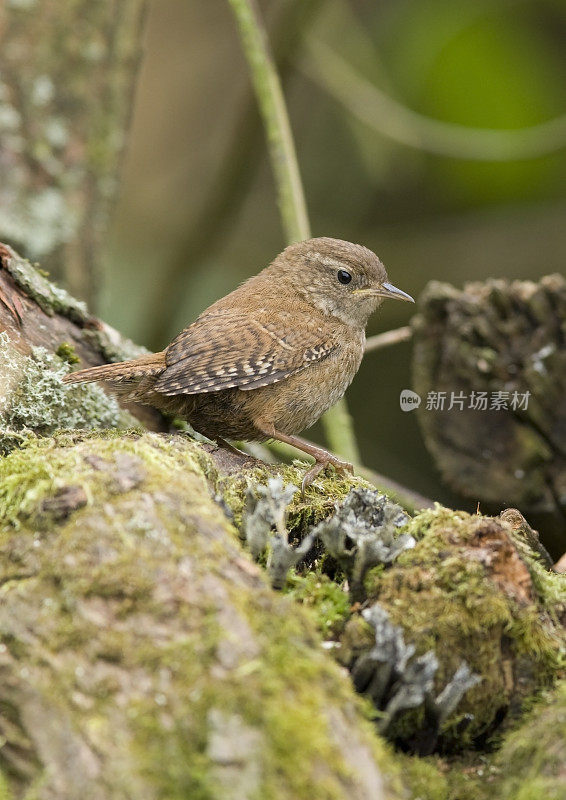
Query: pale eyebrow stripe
(328, 261)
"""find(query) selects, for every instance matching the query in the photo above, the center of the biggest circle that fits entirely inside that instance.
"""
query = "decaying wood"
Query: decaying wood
(505, 340)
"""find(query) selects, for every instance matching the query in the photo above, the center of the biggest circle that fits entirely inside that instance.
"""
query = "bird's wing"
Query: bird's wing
(228, 348)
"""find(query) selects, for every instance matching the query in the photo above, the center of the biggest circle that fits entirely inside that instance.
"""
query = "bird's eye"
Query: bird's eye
(343, 276)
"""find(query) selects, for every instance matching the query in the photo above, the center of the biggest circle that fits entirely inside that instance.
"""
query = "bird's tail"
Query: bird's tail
(141, 367)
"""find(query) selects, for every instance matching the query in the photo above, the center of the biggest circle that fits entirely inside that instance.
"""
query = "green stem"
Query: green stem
(338, 425)
(272, 107)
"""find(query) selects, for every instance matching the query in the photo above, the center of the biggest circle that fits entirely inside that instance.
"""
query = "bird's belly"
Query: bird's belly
(300, 400)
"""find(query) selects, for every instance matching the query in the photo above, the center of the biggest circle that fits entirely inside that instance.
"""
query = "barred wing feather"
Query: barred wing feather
(229, 348)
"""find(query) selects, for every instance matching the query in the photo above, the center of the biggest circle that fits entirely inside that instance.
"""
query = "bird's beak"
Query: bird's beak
(387, 290)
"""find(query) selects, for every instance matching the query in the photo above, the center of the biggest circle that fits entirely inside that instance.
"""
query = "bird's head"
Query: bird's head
(342, 279)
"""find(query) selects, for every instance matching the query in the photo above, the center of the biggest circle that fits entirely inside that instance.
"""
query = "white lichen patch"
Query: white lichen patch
(33, 397)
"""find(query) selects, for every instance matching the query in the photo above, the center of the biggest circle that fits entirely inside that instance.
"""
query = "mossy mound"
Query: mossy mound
(319, 501)
(142, 653)
(532, 760)
(469, 591)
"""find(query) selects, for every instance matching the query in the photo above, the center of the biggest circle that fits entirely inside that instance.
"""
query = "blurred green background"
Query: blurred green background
(197, 211)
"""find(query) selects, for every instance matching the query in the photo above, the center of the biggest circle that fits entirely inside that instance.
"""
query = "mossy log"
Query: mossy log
(489, 363)
(531, 764)
(143, 654)
(470, 598)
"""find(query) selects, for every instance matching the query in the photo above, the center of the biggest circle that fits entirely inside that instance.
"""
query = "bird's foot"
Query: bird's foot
(322, 462)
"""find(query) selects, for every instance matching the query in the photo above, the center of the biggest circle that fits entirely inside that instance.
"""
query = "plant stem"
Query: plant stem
(338, 425)
(388, 338)
(269, 94)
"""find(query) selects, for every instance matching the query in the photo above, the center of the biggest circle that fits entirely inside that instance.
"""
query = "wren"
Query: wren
(267, 360)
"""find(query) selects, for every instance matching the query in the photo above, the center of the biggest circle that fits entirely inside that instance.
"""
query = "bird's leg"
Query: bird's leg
(321, 456)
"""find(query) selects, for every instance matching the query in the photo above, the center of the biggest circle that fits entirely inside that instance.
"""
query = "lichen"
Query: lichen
(49, 297)
(396, 679)
(305, 510)
(364, 532)
(54, 300)
(33, 397)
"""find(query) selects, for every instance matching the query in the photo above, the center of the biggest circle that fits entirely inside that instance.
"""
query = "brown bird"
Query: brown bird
(267, 360)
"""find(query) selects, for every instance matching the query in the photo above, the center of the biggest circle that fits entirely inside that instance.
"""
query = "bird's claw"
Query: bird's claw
(342, 467)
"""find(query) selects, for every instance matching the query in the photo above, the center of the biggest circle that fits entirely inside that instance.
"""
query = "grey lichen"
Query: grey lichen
(113, 346)
(33, 397)
(372, 672)
(52, 299)
(64, 111)
(49, 297)
(363, 533)
(395, 681)
(266, 508)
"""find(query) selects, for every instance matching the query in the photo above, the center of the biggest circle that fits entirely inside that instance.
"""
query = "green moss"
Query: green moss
(5, 793)
(531, 759)
(297, 721)
(324, 596)
(319, 500)
(66, 352)
(425, 778)
(33, 473)
(471, 778)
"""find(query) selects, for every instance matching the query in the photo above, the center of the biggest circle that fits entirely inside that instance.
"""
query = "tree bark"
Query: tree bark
(489, 363)
(36, 313)
(64, 109)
